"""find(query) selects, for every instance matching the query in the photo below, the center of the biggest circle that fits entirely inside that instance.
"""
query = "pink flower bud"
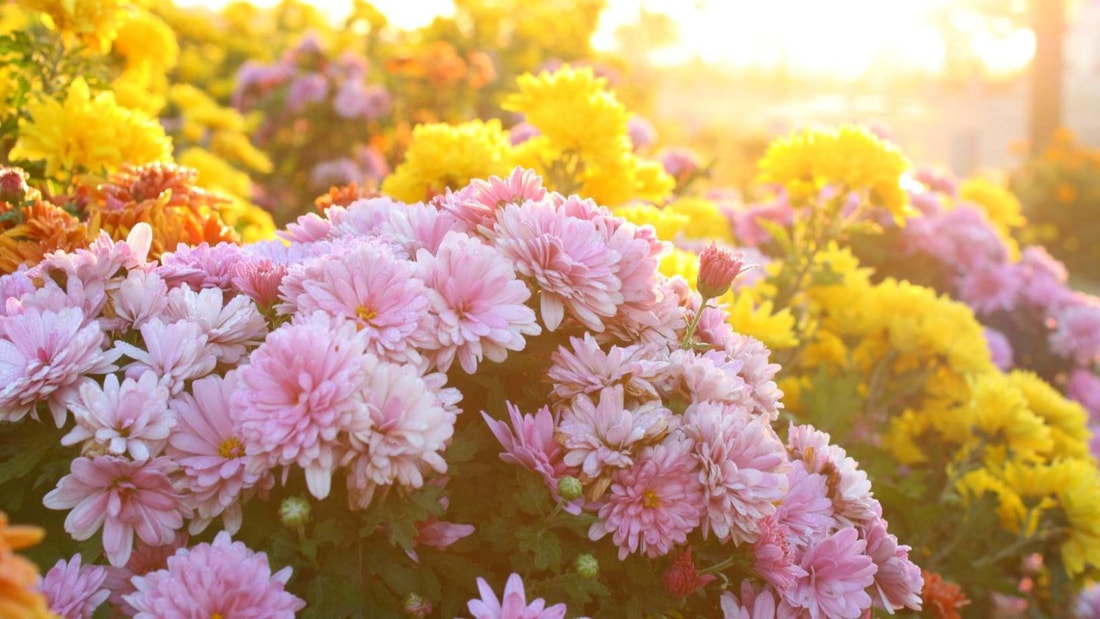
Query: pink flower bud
(718, 267)
(681, 579)
(13, 185)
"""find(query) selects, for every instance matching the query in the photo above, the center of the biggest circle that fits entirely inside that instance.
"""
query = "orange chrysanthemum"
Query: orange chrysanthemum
(18, 576)
(941, 598)
(163, 195)
(343, 196)
(36, 230)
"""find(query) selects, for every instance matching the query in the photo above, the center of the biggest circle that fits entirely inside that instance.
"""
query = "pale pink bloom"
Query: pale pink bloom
(371, 287)
(123, 497)
(756, 602)
(746, 221)
(480, 305)
(1076, 333)
(201, 266)
(898, 581)
(62, 288)
(208, 446)
(299, 392)
(989, 288)
(140, 297)
(522, 132)
(176, 352)
(806, 510)
(441, 535)
(13, 287)
(530, 443)
(1044, 279)
(585, 368)
(127, 418)
(680, 163)
(222, 579)
(652, 506)
(512, 604)
(259, 279)
(1087, 603)
(714, 328)
(363, 218)
(308, 228)
(758, 372)
(775, 556)
(837, 577)
(144, 559)
(72, 590)
(231, 329)
(45, 357)
(104, 257)
(660, 323)
(1000, 349)
(403, 430)
(742, 468)
(642, 132)
(706, 377)
(477, 203)
(420, 227)
(333, 173)
(567, 257)
(605, 435)
(849, 487)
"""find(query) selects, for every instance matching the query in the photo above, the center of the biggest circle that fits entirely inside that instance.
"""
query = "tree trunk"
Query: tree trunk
(1048, 20)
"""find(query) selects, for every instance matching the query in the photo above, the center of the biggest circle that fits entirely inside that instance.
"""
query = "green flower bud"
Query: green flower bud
(416, 606)
(294, 512)
(570, 488)
(587, 565)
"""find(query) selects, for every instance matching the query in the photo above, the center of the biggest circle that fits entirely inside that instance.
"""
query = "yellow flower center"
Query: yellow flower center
(230, 448)
(217, 616)
(366, 314)
(650, 499)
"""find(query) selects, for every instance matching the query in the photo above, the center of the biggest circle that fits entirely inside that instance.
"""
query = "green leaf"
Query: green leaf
(780, 235)
(543, 544)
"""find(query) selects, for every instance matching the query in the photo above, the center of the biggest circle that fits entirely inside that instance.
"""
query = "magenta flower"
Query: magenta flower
(44, 357)
(652, 506)
(774, 556)
(406, 427)
(1076, 333)
(567, 257)
(209, 448)
(604, 435)
(74, 591)
(259, 279)
(371, 287)
(989, 288)
(222, 579)
(480, 305)
(300, 390)
(512, 604)
(127, 418)
(837, 577)
(477, 203)
(1084, 387)
(123, 497)
(1000, 349)
(742, 468)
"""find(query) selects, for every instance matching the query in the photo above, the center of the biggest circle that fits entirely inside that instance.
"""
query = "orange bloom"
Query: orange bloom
(941, 598)
(28, 233)
(164, 196)
(18, 576)
(343, 196)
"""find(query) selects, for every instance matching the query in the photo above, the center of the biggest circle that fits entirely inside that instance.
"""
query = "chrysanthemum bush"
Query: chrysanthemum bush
(988, 474)
(402, 399)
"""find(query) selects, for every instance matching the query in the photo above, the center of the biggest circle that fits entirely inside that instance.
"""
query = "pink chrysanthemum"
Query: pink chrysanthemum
(477, 203)
(74, 591)
(300, 390)
(758, 372)
(806, 510)
(712, 376)
(222, 579)
(898, 581)
(209, 448)
(259, 278)
(850, 489)
(479, 304)
(123, 497)
(1077, 331)
(403, 433)
(420, 226)
(176, 352)
(131, 417)
(231, 328)
(378, 292)
(742, 468)
(603, 435)
(1044, 279)
(585, 368)
(201, 266)
(1000, 349)
(530, 443)
(653, 505)
(756, 602)
(990, 288)
(140, 297)
(1084, 387)
(775, 556)
(837, 577)
(144, 559)
(567, 257)
(512, 604)
(45, 357)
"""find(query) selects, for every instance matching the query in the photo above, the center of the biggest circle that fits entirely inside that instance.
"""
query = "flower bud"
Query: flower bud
(13, 185)
(570, 488)
(416, 606)
(681, 579)
(294, 511)
(587, 566)
(718, 267)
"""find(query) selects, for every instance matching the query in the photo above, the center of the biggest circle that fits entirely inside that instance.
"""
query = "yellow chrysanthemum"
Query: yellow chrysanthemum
(849, 159)
(1079, 498)
(13, 18)
(1001, 410)
(202, 111)
(573, 109)
(92, 22)
(250, 221)
(901, 437)
(706, 220)
(141, 88)
(1068, 420)
(682, 263)
(235, 146)
(86, 133)
(666, 223)
(144, 40)
(216, 173)
(628, 178)
(1011, 510)
(1001, 206)
(449, 156)
(762, 321)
